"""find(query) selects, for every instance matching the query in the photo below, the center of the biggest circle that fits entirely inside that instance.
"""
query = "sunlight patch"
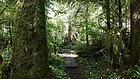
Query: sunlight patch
(68, 55)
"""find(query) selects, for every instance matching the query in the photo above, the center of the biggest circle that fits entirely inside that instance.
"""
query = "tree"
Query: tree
(87, 37)
(135, 31)
(115, 39)
(29, 58)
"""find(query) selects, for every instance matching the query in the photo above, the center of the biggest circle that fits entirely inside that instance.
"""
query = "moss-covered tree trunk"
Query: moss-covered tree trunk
(29, 58)
(135, 32)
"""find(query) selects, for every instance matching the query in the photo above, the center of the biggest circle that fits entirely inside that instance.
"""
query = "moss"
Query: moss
(29, 58)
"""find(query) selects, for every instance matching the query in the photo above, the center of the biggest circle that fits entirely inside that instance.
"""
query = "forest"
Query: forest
(70, 39)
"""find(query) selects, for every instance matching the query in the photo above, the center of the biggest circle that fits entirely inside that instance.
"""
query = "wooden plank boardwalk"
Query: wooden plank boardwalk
(74, 71)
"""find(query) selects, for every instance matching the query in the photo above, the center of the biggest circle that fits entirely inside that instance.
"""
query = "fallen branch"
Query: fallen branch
(100, 52)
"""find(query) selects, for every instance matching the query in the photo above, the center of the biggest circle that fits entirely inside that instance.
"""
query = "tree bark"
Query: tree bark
(108, 13)
(120, 14)
(135, 32)
(30, 59)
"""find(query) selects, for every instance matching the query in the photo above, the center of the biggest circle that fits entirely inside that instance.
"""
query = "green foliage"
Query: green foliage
(95, 37)
(56, 63)
(78, 45)
(7, 16)
(91, 68)
(90, 50)
(96, 45)
(3, 42)
(6, 54)
(53, 37)
(60, 15)
(114, 76)
(137, 72)
(5, 57)
(67, 47)
(59, 73)
(98, 69)
(118, 17)
(132, 73)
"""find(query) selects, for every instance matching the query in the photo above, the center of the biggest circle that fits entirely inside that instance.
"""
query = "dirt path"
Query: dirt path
(73, 70)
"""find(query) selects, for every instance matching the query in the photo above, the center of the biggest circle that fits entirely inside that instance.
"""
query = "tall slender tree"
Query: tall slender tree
(29, 59)
(87, 36)
(135, 32)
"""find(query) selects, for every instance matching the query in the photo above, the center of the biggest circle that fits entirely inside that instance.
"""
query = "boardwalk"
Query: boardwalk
(74, 71)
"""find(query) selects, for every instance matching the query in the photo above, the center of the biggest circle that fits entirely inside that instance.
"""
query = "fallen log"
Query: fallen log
(100, 52)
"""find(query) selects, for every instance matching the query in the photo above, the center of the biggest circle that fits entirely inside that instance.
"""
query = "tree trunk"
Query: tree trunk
(135, 32)
(29, 59)
(108, 13)
(87, 41)
(69, 34)
(122, 57)
(120, 14)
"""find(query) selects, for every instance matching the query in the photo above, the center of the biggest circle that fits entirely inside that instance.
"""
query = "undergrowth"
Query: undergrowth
(56, 63)
(101, 69)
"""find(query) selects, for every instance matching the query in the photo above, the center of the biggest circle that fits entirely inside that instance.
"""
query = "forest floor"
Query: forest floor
(73, 69)
(78, 67)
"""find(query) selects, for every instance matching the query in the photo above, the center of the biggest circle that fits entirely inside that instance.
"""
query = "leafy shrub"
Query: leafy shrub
(5, 59)
(56, 63)
(98, 69)
(84, 50)
(67, 47)
(137, 73)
